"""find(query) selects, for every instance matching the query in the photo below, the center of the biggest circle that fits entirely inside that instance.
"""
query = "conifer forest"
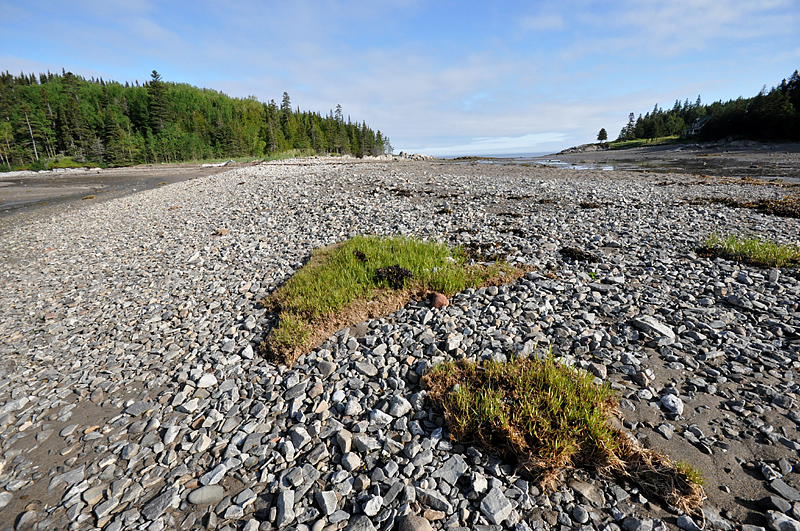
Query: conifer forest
(771, 115)
(58, 120)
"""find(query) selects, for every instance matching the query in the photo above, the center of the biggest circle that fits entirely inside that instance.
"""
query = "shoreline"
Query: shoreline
(130, 377)
(28, 193)
(718, 159)
(737, 159)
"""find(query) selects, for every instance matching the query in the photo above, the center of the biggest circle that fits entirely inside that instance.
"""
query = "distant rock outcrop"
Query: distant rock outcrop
(413, 156)
(584, 148)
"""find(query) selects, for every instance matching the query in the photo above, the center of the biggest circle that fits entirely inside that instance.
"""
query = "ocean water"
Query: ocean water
(541, 159)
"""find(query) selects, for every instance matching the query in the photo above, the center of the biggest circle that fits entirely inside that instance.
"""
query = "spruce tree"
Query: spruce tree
(157, 104)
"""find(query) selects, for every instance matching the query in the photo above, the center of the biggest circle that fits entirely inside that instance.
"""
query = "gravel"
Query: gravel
(132, 395)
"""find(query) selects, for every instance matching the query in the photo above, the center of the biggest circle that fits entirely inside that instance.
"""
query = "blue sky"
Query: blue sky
(443, 78)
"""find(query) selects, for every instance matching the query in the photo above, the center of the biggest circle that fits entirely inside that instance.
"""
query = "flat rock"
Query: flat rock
(68, 478)
(784, 490)
(360, 523)
(206, 380)
(590, 492)
(206, 494)
(326, 368)
(781, 522)
(452, 469)
(156, 507)
(285, 505)
(653, 326)
(138, 407)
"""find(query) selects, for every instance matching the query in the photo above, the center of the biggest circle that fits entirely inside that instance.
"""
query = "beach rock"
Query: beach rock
(137, 378)
(413, 523)
(360, 523)
(780, 522)
(438, 300)
(784, 490)
(327, 502)
(156, 507)
(495, 506)
(652, 326)
(672, 403)
(206, 494)
(285, 505)
(5, 497)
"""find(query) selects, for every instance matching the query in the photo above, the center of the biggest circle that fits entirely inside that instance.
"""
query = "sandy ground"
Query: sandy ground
(48, 191)
(25, 194)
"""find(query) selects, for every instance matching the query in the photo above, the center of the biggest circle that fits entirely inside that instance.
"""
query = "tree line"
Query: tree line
(770, 115)
(48, 118)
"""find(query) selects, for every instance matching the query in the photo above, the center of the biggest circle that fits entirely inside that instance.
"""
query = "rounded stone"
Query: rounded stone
(439, 301)
(580, 514)
(413, 523)
(207, 494)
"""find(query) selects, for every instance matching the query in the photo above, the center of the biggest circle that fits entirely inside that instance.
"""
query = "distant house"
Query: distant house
(696, 126)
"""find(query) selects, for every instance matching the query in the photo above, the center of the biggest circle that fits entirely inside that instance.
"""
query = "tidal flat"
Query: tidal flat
(131, 396)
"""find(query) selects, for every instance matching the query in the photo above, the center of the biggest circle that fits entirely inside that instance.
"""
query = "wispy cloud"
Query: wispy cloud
(500, 145)
(442, 75)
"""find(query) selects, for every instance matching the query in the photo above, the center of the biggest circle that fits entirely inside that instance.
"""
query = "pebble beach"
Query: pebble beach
(133, 394)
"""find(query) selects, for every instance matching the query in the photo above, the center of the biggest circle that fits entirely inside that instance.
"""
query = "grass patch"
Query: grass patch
(290, 154)
(751, 250)
(366, 277)
(547, 417)
(640, 142)
(64, 162)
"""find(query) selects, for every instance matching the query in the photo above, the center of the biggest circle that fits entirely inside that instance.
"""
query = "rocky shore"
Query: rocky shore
(132, 395)
(726, 158)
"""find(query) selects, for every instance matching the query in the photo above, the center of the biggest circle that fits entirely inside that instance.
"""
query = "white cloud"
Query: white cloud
(591, 65)
(501, 145)
(672, 27)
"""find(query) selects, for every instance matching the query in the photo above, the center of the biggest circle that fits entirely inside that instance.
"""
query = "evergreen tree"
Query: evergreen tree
(602, 136)
(157, 105)
(51, 116)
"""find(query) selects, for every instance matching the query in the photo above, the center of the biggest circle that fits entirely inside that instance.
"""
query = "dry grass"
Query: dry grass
(547, 418)
(787, 206)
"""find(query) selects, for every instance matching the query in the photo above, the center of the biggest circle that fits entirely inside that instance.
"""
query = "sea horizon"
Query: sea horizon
(528, 155)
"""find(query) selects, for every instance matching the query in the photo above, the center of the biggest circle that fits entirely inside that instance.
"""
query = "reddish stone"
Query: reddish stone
(438, 300)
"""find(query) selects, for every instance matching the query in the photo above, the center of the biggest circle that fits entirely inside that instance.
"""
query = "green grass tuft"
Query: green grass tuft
(640, 142)
(691, 472)
(291, 333)
(65, 162)
(752, 250)
(343, 277)
(548, 417)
